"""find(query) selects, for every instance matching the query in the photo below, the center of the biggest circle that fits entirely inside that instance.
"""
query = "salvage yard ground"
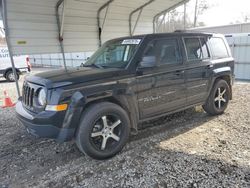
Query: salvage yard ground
(186, 149)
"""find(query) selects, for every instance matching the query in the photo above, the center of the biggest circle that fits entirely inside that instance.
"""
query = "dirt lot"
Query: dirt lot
(187, 149)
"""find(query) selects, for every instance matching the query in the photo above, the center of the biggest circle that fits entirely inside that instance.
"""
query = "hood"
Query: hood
(59, 78)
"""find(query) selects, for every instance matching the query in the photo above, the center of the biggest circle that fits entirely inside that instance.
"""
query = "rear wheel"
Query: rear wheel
(10, 77)
(103, 130)
(218, 99)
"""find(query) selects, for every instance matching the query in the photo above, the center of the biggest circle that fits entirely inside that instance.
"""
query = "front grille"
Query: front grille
(28, 95)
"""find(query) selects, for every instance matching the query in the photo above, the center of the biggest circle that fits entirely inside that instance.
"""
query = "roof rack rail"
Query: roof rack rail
(180, 31)
(191, 31)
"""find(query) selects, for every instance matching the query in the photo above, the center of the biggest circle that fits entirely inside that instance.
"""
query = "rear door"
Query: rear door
(199, 69)
(162, 89)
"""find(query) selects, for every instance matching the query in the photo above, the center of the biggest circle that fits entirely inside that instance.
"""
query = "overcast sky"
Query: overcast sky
(224, 12)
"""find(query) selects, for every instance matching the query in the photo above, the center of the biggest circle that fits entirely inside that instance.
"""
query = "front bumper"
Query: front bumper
(25, 70)
(41, 125)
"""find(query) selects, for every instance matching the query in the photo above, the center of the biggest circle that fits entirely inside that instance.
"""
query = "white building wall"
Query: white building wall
(30, 21)
(55, 60)
(33, 27)
(226, 29)
(240, 47)
(238, 37)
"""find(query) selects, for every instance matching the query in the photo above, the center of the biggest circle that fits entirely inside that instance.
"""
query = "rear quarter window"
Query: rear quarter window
(218, 47)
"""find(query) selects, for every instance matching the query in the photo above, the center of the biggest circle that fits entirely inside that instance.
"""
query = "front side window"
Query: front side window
(165, 51)
(114, 54)
(218, 47)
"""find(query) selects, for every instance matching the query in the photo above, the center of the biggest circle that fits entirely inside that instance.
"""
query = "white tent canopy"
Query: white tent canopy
(33, 26)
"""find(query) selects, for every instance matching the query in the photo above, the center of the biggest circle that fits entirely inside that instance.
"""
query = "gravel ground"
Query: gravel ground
(186, 149)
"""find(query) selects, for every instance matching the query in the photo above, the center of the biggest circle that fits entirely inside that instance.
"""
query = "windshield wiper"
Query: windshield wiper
(93, 65)
(106, 66)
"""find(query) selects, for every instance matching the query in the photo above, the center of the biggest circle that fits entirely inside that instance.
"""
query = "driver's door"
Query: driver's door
(161, 89)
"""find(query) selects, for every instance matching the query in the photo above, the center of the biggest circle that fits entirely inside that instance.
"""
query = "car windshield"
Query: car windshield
(114, 54)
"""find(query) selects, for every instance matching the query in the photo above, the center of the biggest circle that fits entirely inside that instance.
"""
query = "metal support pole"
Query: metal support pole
(166, 10)
(163, 20)
(105, 16)
(164, 23)
(136, 22)
(169, 22)
(5, 23)
(134, 11)
(99, 27)
(60, 38)
(184, 16)
(195, 12)
(62, 18)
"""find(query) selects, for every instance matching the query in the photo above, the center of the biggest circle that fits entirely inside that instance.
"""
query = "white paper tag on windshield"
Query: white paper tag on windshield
(131, 41)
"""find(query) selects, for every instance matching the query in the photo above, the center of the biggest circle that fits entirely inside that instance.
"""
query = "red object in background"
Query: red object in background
(7, 100)
(28, 63)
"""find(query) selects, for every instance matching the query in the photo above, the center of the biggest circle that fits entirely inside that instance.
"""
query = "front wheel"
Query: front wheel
(218, 99)
(103, 130)
(10, 77)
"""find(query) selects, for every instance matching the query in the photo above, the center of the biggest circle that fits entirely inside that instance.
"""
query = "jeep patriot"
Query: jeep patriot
(125, 82)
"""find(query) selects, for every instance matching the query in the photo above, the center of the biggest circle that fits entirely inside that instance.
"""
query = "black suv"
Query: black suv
(127, 81)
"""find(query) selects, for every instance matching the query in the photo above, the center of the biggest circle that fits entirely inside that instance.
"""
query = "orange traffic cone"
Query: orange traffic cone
(7, 100)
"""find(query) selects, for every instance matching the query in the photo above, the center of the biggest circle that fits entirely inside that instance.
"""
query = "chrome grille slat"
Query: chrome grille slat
(25, 94)
(28, 95)
(31, 97)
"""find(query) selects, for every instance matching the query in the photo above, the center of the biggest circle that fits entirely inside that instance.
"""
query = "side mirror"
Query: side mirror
(148, 62)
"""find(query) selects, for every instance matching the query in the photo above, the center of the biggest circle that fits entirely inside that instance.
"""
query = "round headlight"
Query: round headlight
(42, 97)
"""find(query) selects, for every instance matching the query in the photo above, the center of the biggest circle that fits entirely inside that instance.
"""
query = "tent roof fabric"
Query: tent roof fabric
(33, 25)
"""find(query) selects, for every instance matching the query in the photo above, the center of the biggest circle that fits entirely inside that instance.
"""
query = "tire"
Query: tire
(10, 76)
(216, 104)
(92, 132)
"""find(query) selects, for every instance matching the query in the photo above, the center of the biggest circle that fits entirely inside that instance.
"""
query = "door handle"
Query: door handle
(179, 72)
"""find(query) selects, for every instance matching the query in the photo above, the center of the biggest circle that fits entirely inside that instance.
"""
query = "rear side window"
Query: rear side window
(218, 47)
(193, 48)
(166, 51)
(196, 48)
(204, 48)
